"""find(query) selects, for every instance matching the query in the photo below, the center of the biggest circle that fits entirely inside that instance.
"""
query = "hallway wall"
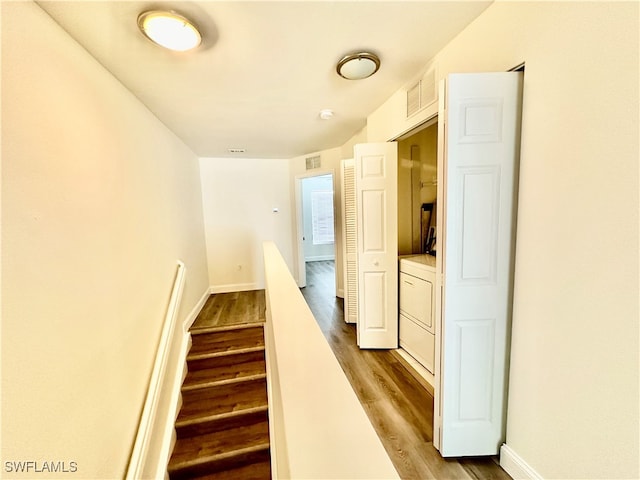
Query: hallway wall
(99, 201)
(239, 196)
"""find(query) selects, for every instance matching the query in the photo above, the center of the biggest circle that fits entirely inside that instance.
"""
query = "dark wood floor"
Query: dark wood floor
(399, 407)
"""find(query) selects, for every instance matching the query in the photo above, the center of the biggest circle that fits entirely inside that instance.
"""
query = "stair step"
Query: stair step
(225, 398)
(254, 471)
(208, 355)
(220, 383)
(226, 339)
(223, 462)
(212, 423)
(246, 432)
(225, 328)
(237, 364)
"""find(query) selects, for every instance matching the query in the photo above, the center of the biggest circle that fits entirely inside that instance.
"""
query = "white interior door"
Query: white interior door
(480, 171)
(376, 168)
(350, 243)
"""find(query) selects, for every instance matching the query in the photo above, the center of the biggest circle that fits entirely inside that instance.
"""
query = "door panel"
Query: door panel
(480, 167)
(373, 286)
(349, 219)
(377, 244)
(373, 221)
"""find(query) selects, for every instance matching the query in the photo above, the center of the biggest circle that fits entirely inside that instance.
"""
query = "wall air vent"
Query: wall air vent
(313, 162)
(428, 90)
(422, 93)
(413, 99)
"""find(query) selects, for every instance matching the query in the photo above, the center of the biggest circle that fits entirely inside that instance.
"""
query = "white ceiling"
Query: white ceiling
(266, 68)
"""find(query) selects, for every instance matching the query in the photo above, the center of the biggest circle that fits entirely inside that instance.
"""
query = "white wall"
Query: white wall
(99, 201)
(314, 252)
(239, 196)
(573, 396)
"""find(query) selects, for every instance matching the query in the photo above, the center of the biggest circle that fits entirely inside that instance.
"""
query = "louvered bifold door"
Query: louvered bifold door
(350, 242)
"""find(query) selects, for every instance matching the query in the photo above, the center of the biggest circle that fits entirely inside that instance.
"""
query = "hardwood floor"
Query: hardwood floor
(399, 407)
(232, 309)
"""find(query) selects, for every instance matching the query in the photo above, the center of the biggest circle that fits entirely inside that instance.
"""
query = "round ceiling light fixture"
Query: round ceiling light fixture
(169, 30)
(357, 66)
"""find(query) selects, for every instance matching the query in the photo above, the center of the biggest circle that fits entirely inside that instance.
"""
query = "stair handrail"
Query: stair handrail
(138, 459)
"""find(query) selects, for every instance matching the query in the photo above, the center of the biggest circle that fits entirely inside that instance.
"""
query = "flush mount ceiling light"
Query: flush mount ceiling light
(357, 66)
(169, 30)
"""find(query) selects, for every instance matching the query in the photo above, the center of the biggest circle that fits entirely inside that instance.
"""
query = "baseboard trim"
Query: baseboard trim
(516, 466)
(193, 314)
(233, 287)
(175, 403)
(417, 371)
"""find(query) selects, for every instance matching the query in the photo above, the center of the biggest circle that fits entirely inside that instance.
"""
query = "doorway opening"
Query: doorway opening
(417, 247)
(316, 242)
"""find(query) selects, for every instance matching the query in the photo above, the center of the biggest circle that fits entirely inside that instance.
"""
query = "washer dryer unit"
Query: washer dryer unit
(417, 308)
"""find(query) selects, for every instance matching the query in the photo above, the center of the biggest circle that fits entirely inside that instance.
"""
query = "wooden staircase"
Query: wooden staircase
(222, 430)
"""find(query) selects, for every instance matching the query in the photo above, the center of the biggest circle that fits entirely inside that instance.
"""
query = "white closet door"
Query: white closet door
(482, 149)
(350, 244)
(376, 167)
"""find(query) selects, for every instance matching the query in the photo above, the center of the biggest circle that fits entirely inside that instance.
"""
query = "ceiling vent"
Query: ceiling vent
(313, 162)
(423, 93)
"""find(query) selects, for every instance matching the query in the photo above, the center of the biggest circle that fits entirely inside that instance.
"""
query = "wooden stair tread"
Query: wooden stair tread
(212, 446)
(221, 417)
(223, 398)
(220, 383)
(237, 365)
(225, 328)
(260, 470)
(228, 339)
(217, 463)
(213, 423)
(223, 353)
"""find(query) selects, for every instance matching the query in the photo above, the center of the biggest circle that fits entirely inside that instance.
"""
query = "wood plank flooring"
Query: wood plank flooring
(399, 407)
(232, 309)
